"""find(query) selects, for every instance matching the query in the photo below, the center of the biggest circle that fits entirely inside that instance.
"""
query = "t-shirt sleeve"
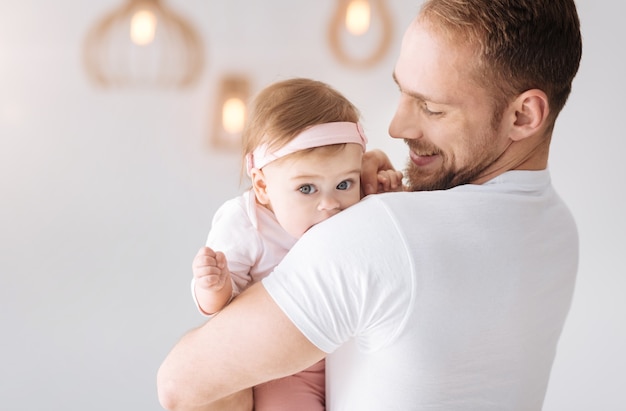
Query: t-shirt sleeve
(348, 277)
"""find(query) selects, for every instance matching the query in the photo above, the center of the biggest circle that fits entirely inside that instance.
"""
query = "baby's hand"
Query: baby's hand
(389, 180)
(210, 269)
(378, 174)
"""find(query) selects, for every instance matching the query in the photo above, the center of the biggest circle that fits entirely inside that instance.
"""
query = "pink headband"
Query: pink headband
(315, 136)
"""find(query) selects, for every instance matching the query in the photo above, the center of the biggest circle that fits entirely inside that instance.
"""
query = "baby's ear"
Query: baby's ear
(531, 113)
(259, 186)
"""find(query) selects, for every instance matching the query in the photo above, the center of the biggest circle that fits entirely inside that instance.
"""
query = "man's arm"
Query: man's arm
(249, 342)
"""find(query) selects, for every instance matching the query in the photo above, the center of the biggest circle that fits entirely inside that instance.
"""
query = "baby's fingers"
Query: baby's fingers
(211, 282)
(389, 180)
(205, 256)
(220, 260)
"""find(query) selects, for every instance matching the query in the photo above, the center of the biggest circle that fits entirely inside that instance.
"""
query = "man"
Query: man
(452, 296)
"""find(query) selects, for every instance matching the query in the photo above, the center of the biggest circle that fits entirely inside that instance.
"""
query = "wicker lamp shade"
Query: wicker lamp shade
(360, 25)
(145, 44)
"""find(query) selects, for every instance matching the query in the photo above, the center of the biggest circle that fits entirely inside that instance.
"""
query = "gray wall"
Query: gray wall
(106, 195)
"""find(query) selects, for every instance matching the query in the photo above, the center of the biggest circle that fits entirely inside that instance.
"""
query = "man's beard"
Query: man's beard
(417, 181)
(446, 176)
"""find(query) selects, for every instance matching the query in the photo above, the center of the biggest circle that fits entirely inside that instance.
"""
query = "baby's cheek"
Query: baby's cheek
(354, 199)
(296, 226)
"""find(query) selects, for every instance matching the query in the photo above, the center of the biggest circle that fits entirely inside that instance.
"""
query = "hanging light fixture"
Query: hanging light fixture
(355, 26)
(231, 112)
(143, 43)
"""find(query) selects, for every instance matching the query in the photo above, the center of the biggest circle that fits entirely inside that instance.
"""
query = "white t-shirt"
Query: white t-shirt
(441, 300)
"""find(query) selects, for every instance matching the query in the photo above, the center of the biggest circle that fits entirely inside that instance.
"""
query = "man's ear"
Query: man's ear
(531, 114)
(259, 186)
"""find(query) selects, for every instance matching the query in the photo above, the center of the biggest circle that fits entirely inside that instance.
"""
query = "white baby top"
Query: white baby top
(251, 239)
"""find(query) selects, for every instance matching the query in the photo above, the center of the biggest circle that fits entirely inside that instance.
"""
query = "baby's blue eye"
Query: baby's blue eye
(307, 189)
(344, 185)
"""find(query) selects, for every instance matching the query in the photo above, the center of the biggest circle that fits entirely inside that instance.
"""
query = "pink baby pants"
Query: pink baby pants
(304, 391)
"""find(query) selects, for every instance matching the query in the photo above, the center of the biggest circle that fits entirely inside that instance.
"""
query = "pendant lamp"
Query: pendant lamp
(143, 43)
(231, 111)
(360, 32)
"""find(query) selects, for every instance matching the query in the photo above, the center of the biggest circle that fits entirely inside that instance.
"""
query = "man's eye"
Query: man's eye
(307, 189)
(428, 111)
(344, 185)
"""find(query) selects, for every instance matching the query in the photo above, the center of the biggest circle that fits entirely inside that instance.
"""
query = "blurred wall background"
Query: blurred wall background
(105, 195)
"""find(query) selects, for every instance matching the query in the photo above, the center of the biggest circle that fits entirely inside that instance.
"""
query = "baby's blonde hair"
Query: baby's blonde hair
(284, 109)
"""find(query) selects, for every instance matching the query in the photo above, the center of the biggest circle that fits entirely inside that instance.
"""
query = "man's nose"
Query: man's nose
(405, 122)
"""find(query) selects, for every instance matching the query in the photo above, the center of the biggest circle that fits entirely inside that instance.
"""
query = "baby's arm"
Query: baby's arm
(213, 287)
(378, 174)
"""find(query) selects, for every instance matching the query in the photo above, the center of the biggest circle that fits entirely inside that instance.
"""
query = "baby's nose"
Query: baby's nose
(329, 203)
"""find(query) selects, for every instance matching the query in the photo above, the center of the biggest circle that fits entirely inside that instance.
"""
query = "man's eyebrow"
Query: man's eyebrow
(415, 95)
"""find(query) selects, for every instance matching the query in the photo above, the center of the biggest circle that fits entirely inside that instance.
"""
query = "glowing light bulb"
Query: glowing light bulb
(143, 27)
(233, 115)
(358, 17)
(230, 112)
